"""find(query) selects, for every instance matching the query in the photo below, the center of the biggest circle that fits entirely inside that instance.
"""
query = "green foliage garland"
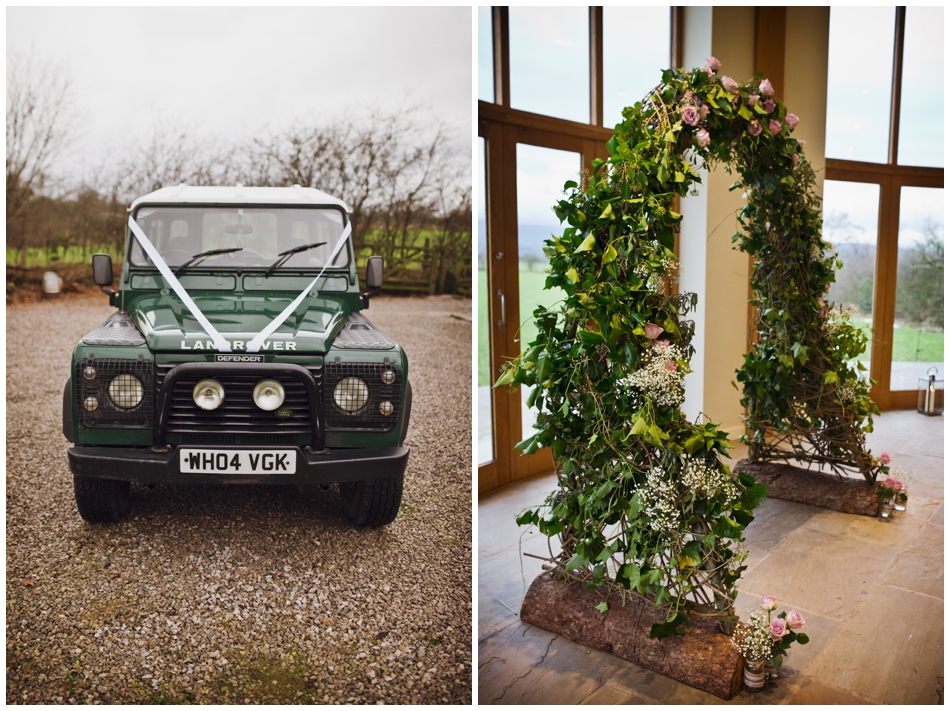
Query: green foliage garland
(645, 501)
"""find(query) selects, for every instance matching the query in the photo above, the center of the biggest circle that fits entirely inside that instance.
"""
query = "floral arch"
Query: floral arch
(645, 501)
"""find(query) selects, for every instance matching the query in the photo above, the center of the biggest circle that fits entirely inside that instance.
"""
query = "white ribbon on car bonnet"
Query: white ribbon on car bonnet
(254, 345)
(222, 345)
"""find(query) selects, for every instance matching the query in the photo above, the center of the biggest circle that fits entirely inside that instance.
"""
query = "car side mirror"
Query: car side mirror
(374, 279)
(102, 275)
(374, 273)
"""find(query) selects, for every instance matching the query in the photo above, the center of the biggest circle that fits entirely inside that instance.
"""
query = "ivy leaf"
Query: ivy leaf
(572, 275)
(607, 214)
(576, 561)
(801, 638)
(602, 607)
(831, 377)
(505, 378)
(610, 255)
(694, 443)
(587, 244)
(569, 184)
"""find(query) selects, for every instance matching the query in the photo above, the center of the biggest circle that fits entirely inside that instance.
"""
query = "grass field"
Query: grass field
(36, 257)
(911, 345)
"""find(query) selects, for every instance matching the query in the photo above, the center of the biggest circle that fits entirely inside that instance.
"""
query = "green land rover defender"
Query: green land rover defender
(238, 355)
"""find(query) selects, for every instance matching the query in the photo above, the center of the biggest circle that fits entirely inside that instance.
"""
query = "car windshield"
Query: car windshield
(261, 233)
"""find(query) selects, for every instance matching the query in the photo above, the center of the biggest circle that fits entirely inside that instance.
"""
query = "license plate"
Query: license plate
(238, 461)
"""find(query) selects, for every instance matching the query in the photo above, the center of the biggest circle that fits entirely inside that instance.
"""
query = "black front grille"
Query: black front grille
(115, 382)
(238, 420)
(368, 417)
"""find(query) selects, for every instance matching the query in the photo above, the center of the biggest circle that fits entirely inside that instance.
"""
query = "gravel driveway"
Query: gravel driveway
(240, 594)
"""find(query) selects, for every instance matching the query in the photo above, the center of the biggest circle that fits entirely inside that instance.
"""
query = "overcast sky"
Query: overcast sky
(233, 71)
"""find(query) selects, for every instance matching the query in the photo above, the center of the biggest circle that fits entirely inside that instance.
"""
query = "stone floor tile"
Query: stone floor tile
(813, 692)
(937, 518)
(894, 532)
(503, 579)
(920, 567)
(774, 521)
(928, 442)
(550, 670)
(907, 424)
(496, 512)
(926, 476)
(614, 694)
(826, 573)
(891, 650)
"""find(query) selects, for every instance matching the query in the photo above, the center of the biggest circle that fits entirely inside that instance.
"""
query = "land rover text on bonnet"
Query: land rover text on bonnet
(238, 354)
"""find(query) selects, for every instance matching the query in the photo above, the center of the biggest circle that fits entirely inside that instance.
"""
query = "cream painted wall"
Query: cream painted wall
(727, 270)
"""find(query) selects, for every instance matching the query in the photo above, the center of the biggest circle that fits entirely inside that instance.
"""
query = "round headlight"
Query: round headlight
(388, 377)
(90, 403)
(89, 373)
(385, 408)
(268, 395)
(126, 391)
(351, 394)
(208, 394)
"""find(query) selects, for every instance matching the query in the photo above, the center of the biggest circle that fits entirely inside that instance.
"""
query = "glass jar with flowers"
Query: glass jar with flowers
(766, 639)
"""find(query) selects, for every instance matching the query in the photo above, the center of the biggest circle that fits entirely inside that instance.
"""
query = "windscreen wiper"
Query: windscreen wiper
(284, 256)
(198, 258)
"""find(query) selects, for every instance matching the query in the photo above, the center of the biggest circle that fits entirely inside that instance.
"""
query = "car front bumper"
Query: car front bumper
(143, 464)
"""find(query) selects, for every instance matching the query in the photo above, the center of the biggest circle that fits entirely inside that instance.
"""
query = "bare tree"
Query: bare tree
(39, 109)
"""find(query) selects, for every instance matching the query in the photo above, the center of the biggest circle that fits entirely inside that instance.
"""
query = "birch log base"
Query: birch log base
(784, 481)
(704, 658)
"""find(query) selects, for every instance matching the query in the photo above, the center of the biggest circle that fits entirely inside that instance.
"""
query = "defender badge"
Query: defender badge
(284, 413)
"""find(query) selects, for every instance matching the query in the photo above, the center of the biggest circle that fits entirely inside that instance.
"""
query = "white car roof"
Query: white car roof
(238, 194)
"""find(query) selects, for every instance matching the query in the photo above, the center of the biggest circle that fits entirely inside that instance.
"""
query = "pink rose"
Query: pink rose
(702, 137)
(801, 143)
(652, 330)
(795, 158)
(705, 70)
(703, 111)
(791, 120)
(729, 84)
(889, 483)
(661, 344)
(885, 458)
(713, 64)
(898, 485)
(769, 603)
(774, 127)
(768, 105)
(777, 628)
(690, 115)
(765, 88)
(755, 128)
(795, 620)
(671, 367)
(752, 99)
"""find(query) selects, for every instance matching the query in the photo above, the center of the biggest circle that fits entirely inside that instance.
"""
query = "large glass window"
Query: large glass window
(860, 67)
(850, 225)
(631, 68)
(486, 60)
(918, 308)
(921, 117)
(550, 61)
(542, 173)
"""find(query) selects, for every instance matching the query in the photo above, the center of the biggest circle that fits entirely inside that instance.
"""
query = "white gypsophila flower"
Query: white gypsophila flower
(656, 281)
(658, 495)
(754, 641)
(848, 392)
(661, 377)
(707, 481)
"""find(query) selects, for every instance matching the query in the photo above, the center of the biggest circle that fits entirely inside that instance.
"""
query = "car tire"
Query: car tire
(101, 500)
(372, 503)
